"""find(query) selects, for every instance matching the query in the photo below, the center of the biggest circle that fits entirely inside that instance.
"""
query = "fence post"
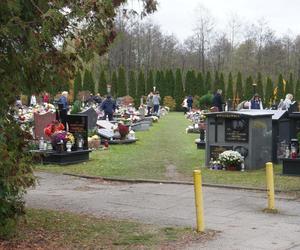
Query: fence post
(199, 200)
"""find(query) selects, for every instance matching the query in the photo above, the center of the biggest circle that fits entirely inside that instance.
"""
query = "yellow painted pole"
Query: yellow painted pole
(199, 200)
(270, 186)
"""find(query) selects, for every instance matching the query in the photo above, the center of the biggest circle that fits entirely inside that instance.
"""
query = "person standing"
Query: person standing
(255, 102)
(63, 108)
(156, 102)
(149, 102)
(218, 100)
(184, 105)
(190, 103)
(109, 107)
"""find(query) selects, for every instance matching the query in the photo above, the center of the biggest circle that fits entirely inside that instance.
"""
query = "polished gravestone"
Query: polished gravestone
(78, 126)
(248, 132)
(92, 117)
(41, 121)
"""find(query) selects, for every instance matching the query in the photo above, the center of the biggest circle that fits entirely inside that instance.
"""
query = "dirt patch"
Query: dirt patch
(173, 174)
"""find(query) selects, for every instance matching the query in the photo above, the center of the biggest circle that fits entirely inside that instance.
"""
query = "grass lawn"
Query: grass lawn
(45, 229)
(166, 152)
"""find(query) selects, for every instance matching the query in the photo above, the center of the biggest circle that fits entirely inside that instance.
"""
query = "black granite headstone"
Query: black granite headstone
(78, 126)
(92, 117)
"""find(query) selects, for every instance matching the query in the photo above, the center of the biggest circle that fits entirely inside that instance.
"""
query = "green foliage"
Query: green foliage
(178, 89)
(76, 108)
(289, 86)
(259, 85)
(297, 94)
(269, 93)
(121, 84)
(32, 61)
(222, 82)
(162, 87)
(205, 101)
(208, 83)
(200, 88)
(190, 82)
(88, 82)
(140, 87)
(170, 82)
(157, 80)
(132, 84)
(280, 89)
(229, 91)
(114, 84)
(216, 84)
(102, 88)
(149, 81)
(169, 102)
(248, 88)
(239, 93)
(77, 84)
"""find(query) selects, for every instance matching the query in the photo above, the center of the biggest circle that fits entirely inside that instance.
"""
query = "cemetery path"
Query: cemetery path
(236, 214)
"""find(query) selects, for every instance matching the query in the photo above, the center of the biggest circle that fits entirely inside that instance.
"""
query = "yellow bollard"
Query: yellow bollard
(270, 186)
(199, 200)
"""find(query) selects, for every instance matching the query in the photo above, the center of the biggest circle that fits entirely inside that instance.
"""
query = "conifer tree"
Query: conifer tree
(88, 81)
(102, 88)
(150, 81)
(140, 87)
(178, 90)
(216, 83)
(157, 80)
(239, 87)
(121, 84)
(248, 88)
(188, 82)
(259, 85)
(229, 90)
(162, 89)
(170, 81)
(222, 82)
(77, 84)
(269, 93)
(280, 88)
(200, 88)
(297, 93)
(289, 86)
(114, 84)
(132, 84)
(194, 83)
(208, 87)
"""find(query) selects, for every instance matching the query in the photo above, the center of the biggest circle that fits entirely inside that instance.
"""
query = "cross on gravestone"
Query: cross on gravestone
(216, 123)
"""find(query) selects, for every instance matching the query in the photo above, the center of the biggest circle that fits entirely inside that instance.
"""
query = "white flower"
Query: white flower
(230, 157)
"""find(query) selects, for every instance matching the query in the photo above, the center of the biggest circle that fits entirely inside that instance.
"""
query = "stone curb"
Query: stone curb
(168, 182)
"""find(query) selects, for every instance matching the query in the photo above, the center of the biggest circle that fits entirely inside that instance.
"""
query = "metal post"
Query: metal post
(199, 200)
(270, 185)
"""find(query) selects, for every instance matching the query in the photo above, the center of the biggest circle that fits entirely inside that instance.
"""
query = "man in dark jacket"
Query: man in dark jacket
(108, 106)
(190, 102)
(218, 100)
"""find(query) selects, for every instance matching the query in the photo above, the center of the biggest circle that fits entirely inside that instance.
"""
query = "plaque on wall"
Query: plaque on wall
(216, 150)
(237, 130)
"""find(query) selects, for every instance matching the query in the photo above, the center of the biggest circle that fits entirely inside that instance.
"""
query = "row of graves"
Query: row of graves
(84, 131)
(247, 139)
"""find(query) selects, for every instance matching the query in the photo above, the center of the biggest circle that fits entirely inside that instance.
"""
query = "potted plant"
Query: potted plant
(231, 160)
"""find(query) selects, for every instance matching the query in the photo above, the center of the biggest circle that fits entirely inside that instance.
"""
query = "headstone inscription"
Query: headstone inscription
(78, 126)
(247, 132)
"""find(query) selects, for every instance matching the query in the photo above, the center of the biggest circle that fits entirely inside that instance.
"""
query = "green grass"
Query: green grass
(165, 146)
(45, 229)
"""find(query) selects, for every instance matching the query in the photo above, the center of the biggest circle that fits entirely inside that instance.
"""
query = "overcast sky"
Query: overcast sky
(178, 16)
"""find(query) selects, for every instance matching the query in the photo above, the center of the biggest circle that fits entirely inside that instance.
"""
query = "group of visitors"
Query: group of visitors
(153, 103)
(187, 104)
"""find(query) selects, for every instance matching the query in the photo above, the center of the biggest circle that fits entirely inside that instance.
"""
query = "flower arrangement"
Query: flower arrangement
(58, 136)
(231, 158)
(123, 130)
(70, 138)
(216, 165)
(53, 127)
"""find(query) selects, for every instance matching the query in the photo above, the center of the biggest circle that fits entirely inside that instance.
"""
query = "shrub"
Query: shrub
(169, 102)
(205, 101)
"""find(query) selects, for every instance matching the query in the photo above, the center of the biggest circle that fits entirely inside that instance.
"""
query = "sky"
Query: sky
(178, 16)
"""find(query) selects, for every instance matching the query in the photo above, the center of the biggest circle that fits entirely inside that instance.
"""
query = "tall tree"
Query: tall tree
(248, 88)
(208, 82)
(77, 84)
(114, 84)
(158, 80)
(259, 85)
(289, 86)
(170, 81)
(178, 89)
(102, 88)
(141, 85)
(31, 59)
(297, 94)
(188, 82)
(121, 85)
(239, 93)
(222, 83)
(88, 81)
(200, 85)
(132, 84)
(229, 91)
(268, 93)
(216, 83)
(150, 81)
(280, 88)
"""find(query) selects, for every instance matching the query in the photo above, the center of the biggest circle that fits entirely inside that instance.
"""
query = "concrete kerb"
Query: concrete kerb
(173, 182)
